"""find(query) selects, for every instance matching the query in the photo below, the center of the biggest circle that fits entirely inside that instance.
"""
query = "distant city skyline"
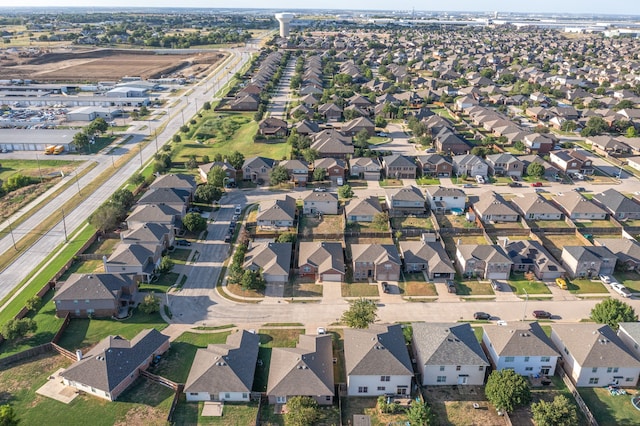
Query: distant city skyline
(617, 7)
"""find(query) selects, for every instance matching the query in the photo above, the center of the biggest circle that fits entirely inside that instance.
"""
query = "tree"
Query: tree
(380, 121)
(559, 412)
(345, 191)
(419, 414)
(123, 198)
(319, 174)
(206, 106)
(166, 265)
(612, 312)
(81, 140)
(360, 314)
(301, 411)
(106, 217)
(507, 390)
(520, 146)
(150, 304)
(97, 126)
(252, 280)
(216, 176)
(8, 416)
(361, 139)
(176, 138)
(193, 222)
(207, 193)
(381, 221)
(18, 328)
(33, 303)
(278, 175)
(310, 155)
(236, 159)
(535, 170)
(287, 237)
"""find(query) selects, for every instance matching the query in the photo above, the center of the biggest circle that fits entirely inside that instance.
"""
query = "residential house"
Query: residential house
(151, 213)
(320, 203)
(531, 256)
(336, 168)
(618, 205)
(355, 126)
(111, 366)
(493, 208)
(366, 168)
(96, 295)
(551, 173)
(606, 145)
(307, 127)
(442, 199)
(629, 333)
(139, 259)
(176, 181)
(470, 165)
(447, 142)
(176, 198)
(536, 207)
(332, 144)
(272, 259)
(273, 127)
(428, 257)
(276, 214)
(322, 261)
(538, 143)
(229, 170)
(306, 370)
(151, 233)
(448, 354)
(435, 165)
(362, 209)
(298, 171)
(246, 102)
(583, 261)
(380, 262)
(257, 169)
(399, 167)
(578, 207)
(224, 371)
(377, 361)
(505, 164)
(571, 161)
(627, 252)
(483, 261)
(405, 200)
(594, 356)
(524, 348)
(330, 111)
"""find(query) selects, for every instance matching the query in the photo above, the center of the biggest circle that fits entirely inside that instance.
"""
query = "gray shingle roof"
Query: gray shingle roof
(490, 253)
(493, 204)
(376, 253)
(615, 202)
(363, 206)
(93, 286)
(227, 367)
(573, 203)
(520, 340)
(306, 369)
(272, 258)
(277, 209)
(447, 344)
(534, 204)
(324, 255)
(433, 254)
(114, 359)
(146, 233)
(377, 350)
(588, 253)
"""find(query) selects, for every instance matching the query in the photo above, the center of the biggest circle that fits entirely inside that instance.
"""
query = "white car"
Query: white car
(606, 279)
(621, 290)
(501, 322)
(321, 331)
(479, 179)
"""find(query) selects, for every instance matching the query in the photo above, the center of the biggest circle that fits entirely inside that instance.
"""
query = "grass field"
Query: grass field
(233, 413)
(34, 168)
(359, 290)
(143, 403)
(631, 280)
(412, 222)
(610, 410)
(520, 285)
(415, 285)
(473, 288)
(586, 286)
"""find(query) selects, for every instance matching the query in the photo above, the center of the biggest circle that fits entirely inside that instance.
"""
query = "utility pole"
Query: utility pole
(524, 313)
(64, 227)
(39, 170)
(11, 232)
(140, 152)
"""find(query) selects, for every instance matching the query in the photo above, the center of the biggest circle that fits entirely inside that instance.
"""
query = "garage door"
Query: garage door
(497, 276)
(332, 277)
(382, 277)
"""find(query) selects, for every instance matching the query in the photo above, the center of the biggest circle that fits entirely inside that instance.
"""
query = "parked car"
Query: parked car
(321, 189)
(538, 190)
(385, 287)
(238, 209)
(481, 316)
(194, 210)
(536, 184)
(606, 279)
(502, 323)
(382, 134)
(321, 331)
(621, 290)
(183, 243)
(227, 238)
(541, 314)
(467, 185)
(479, 179)
(451, 287)
(561, 283)
(515, 184)
(579, 189)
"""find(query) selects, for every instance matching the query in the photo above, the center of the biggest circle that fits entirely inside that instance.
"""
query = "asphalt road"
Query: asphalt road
(186, 107)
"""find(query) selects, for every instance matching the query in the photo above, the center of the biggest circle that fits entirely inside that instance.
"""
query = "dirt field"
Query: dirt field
(106, 64)
(453, 405)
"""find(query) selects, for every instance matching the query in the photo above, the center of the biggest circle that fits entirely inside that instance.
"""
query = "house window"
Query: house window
(566, 351)
(245, 395)
(609, 369)
(86, 301)
(526, 359)
(327, 398)
(629, 379)
(528, 369)
(193, 393)
(594, 370)
(363, 389)
(481, 368)
(458, 367)
(75, 301)
(441, 379)
(615, 369)
(442, 368)
(227, 395)
(385, 378)
(90, 311)
(594, 380)
(509, 359)
(306, 269)
(381, 388)
(545, 359)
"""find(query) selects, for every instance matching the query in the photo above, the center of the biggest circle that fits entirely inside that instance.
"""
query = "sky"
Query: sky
(626, 7)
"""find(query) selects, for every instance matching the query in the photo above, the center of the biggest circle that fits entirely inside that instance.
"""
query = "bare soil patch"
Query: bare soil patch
(453, 405)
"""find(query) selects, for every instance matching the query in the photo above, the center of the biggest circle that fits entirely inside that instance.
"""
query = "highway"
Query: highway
(185, 107)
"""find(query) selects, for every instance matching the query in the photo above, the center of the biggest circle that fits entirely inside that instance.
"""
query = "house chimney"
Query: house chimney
(79, 354)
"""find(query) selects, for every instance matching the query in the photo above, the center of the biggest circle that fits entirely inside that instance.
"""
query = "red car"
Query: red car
(541, 314)
(536, 184)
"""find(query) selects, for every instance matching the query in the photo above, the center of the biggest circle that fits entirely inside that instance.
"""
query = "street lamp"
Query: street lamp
(524, 314)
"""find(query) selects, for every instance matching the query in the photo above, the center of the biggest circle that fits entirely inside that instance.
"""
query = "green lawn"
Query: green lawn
(30, 167)
(610, 410)
(548, 224)
(390, 182)
(594, 224)
(82, 333)
(176, 363)
(473, 288)
(412, 222)
(180, 255)
(143, 403)
(586, 286)
(48, 326)
(428, 181)
(519, 284)
(359, 290)
(631, 280)
(161, 285)
(233, 413)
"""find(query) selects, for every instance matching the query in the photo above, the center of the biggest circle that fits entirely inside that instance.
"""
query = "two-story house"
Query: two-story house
(443, 199)
(365, 168)
(322, 261)
(435, 165)
(298, 171)
(380, 262)
(571, 161)
(399, 167)
(587, 261)
(320, 203)
(335, 168)
(470, 165)
(402, 201)
(484, 261)
(504, 164)
(257, 169)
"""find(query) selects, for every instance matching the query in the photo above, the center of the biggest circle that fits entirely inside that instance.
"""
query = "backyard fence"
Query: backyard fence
(583, 407)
